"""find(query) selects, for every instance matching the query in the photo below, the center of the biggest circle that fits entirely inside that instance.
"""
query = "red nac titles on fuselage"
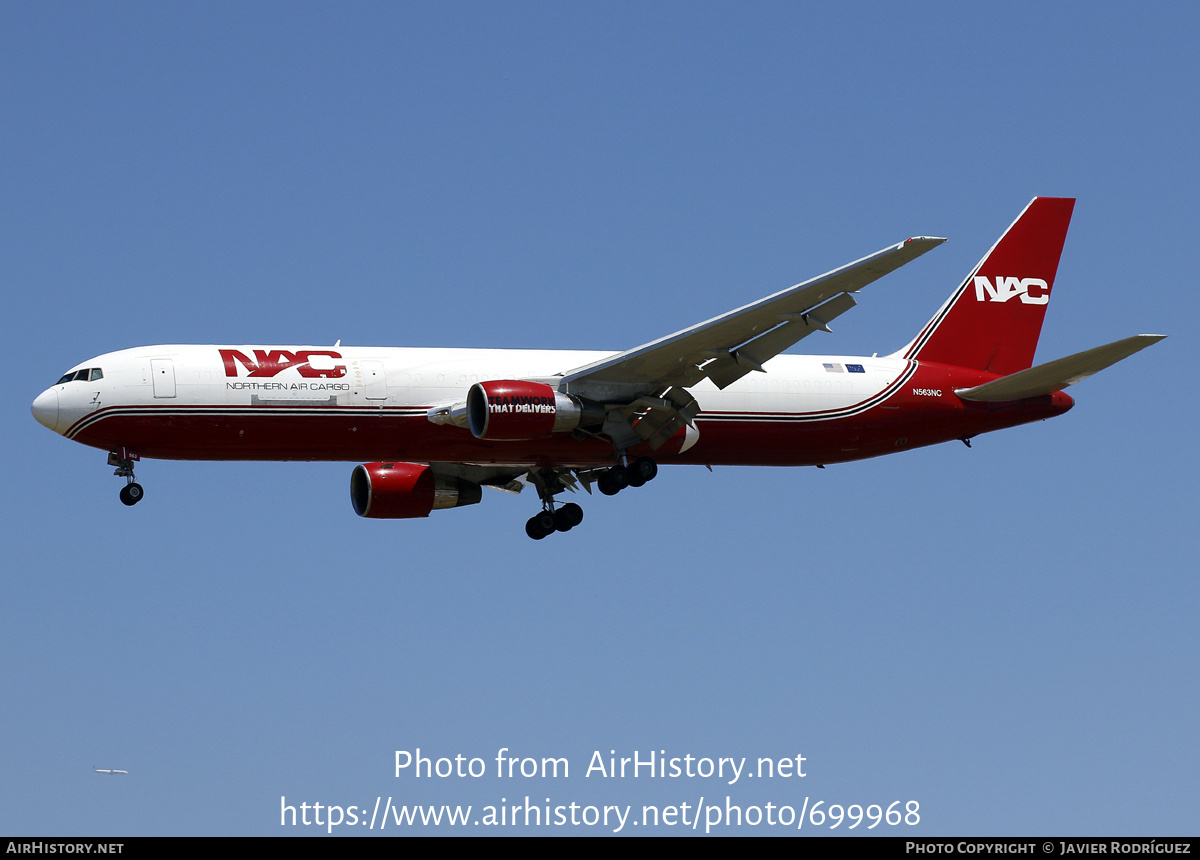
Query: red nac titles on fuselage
(269, 362)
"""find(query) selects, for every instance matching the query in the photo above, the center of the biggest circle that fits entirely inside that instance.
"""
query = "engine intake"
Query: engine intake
(402, 490)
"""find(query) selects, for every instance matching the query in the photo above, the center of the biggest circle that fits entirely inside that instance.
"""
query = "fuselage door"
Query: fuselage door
(374, 380)
(162, 370)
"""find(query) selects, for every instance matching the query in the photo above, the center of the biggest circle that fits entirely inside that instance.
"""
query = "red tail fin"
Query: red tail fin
(992, 322)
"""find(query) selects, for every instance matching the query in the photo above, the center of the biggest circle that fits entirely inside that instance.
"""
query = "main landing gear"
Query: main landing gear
(612, 481)
(565, 517)
(132, 492)
(548, 522)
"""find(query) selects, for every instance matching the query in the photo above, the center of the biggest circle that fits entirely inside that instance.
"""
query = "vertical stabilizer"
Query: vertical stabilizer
(992, 322)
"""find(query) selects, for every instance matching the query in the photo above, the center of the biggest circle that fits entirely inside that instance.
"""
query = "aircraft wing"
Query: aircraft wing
(727, 347)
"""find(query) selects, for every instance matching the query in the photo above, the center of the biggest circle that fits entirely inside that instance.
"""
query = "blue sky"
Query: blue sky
(1004, 634)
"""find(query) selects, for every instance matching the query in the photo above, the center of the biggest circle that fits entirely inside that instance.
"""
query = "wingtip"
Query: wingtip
(1146, 340)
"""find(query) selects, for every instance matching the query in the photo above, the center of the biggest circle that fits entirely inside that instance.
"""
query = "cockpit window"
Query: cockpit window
(88, 374)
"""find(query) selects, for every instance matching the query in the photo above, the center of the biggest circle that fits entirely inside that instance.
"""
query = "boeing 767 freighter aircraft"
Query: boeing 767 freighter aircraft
(434, 426)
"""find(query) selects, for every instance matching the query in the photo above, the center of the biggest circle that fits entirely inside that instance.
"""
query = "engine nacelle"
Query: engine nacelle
(510, 410)
(401, 490)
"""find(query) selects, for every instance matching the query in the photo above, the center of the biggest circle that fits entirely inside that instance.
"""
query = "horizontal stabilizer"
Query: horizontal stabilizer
(1057, 375)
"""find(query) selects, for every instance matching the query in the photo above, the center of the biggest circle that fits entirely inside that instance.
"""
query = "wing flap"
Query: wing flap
(1057, 375)
(729, 368)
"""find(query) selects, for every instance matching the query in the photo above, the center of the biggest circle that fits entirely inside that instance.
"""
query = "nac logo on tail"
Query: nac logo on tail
(1033, 291)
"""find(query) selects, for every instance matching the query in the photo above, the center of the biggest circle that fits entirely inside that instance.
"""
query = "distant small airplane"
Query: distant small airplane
(109, 771)
(432, 427)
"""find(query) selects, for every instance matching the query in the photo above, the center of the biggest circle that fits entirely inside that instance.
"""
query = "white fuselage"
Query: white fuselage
(363, 403)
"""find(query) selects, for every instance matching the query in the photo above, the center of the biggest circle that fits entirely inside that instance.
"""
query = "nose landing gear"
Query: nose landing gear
(132, 492)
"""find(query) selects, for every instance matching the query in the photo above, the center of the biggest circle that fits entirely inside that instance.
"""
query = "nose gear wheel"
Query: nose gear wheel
(132, 492)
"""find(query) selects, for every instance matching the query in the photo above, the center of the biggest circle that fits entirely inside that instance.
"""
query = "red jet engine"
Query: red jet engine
(393, 491)
(509, 410)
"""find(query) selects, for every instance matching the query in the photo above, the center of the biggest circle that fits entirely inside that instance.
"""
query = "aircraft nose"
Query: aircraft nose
(45, 409)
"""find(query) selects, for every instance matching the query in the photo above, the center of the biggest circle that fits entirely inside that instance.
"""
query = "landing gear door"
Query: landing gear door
(162, 370)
